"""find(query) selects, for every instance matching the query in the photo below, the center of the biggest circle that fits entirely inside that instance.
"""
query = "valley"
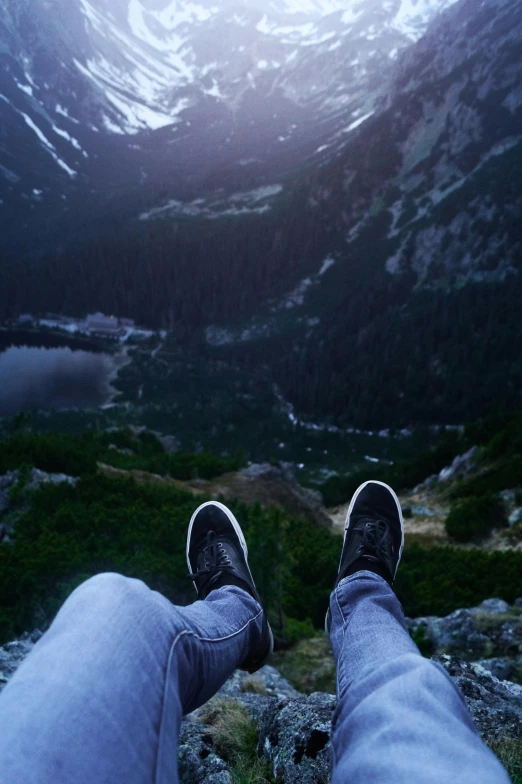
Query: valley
(379, 240)
(263, 252)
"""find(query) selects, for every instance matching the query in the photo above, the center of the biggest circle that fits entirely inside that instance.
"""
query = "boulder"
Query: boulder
(461, 466)
(515, 517)
(266, 681)
(495, 705)
(500, 666)
(13, 653)
(492, 606)
(295, 737)
(457, 634)
(270, 486)
(490, 634)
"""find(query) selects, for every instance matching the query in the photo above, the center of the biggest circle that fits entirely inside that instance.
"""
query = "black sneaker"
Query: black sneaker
(217, 555)
(373, 535)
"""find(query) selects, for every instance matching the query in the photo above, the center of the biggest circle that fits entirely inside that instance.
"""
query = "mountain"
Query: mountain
(360, 240)
(85, 84)
(421, 307)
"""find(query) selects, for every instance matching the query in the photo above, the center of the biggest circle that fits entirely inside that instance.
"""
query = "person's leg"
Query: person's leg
(399, 718)
(101, 696)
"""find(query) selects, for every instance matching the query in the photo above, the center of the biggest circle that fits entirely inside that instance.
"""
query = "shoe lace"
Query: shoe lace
(215, 562)
(375, 539)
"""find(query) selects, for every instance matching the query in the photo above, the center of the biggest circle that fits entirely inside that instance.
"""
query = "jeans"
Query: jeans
(101, 697)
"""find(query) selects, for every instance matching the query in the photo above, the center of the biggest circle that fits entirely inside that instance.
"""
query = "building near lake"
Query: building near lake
(106, 326)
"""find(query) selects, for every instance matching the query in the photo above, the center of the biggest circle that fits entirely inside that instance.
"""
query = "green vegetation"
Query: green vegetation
(500, 439)
(501, 476)
(64, 534)
(423, 643)
(71, 533)
(475, 517)
(309, 665)
(101, 524)
(404, 474)
(509, 752)
(234, 736)
(442, 579)
(478, 507)
(78, 455)
(55, 453)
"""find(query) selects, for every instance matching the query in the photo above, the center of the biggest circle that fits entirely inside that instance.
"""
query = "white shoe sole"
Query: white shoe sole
(347, 524)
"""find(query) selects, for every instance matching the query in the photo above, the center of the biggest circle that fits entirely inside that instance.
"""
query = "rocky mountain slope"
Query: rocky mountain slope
(427, 241)
(360, 194)
(238, 83)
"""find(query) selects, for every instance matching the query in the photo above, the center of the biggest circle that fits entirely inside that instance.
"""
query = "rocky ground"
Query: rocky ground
(261, 728)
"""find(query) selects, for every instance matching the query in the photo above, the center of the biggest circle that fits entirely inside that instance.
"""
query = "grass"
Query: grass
(425, 540)
(253, 685)
(309, 665)
(235, 739)
(489, 622)
(509, 752)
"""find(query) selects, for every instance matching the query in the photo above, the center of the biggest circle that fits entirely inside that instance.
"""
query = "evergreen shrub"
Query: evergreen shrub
(475, 517)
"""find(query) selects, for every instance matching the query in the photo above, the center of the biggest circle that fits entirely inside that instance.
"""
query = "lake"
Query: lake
(45, 371)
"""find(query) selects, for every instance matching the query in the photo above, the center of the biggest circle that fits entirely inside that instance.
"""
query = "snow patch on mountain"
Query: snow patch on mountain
(296, 297)
(355, 124)
(327, 263)
(26, 88)
(413, 16)
(50, 148)
(248, 202)
(158, 51)
(75, 143)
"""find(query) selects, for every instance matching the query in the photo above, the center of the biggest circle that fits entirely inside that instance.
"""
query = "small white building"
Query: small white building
(99, 324)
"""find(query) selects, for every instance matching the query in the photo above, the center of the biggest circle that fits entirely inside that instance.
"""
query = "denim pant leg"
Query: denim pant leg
(399, 717)
(100, 698)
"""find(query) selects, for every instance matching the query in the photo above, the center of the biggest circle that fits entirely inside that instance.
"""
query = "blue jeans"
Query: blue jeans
(101, 697)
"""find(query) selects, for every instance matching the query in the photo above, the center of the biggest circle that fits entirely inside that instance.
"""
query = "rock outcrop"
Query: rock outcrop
(461, 466)
(292, 731)
(13, 653)
(495, 705)
(489, 634)
(14, 490)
